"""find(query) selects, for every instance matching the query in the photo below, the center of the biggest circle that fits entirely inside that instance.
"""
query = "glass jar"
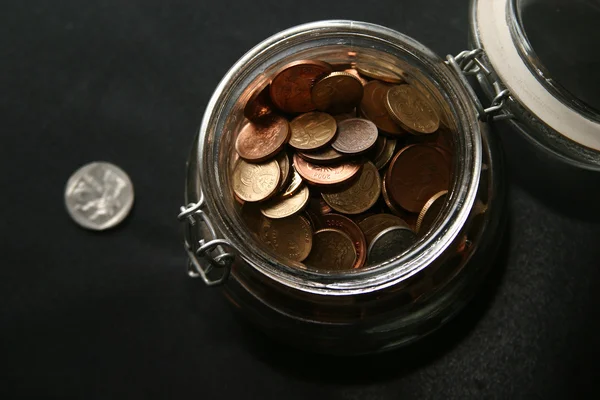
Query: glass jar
(383, 306)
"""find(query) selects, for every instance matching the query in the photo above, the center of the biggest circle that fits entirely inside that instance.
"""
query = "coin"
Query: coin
(260, 140)
(355, 136)
(291, 87)
(383, 158)
(411, 219)
(390, 243)
(332, 250)
(376, 223)
(373, 107)
(312, 130)
(346, 225)
(378, 73)
(326, 155)
(256, 182)
(337, 92)
(281, 207)
(291, 237)
(355, 73)
(415, 174)
(430, 211)
(325, 175)
(361, 195)
(259, 104)
(294, 185)
(99, 196)
(284, 169)
(410, 109)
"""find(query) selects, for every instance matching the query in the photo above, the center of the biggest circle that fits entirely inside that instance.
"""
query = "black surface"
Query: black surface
(113, 315)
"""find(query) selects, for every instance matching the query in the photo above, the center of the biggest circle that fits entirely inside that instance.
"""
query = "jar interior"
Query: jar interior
(345, 56)
(560, 40)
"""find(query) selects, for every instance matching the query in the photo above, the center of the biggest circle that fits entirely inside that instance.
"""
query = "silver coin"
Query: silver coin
(389, 243)
(99, 196)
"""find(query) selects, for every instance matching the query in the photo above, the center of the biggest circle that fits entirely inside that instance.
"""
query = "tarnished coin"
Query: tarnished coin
(384, 157)
(346, 225)
(99, 196)
(395, 209)
(361, 195)
(355, 136)
(378, 73)
(411, 110)
(415, 174)
(430, 211)
(256, 182)
(294, 185)
(326, 155)
(262, 139)
(312, 130)
(326, 175)
(283, 160)
(376, 223)
(291, 237)
(390, 243)
(373, 107)
(332, 250)
(337, 92)
(291, 87)
(259, 104)
(282, 207)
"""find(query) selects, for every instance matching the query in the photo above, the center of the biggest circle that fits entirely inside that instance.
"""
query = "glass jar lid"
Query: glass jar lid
(542, 52)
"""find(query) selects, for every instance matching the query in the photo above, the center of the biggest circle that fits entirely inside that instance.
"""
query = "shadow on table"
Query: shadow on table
(348, 370)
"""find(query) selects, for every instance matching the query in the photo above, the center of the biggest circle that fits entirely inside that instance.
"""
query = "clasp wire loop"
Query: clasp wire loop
(470, 62)
(201, 260)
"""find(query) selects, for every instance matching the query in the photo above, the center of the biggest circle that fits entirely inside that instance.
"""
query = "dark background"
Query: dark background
(113, 315)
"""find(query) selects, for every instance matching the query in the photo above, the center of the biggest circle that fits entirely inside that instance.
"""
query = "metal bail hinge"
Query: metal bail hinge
(470, 62)
(204, 255)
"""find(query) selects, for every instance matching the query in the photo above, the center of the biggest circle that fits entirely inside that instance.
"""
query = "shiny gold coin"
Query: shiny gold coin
(332, 250)
(378, 73)
(410, 109)
(256, 182)
(373, 225)
(291, 238)
(430, 211)
(384, 157)
(284, 168)
(361, 195)
(337, 92)
(282, 207)
(294, 185)
(312, 130)
(326, 155)
(373, 108)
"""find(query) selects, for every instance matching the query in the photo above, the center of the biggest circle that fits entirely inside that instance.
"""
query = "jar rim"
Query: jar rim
(429, 248)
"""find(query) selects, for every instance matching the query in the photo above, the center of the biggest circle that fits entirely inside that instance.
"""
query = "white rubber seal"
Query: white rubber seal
(496, 39)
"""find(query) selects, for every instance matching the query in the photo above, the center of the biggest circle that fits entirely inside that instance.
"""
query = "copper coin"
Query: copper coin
(361, 195)
(282, 207)
(337, 92)
(355, 136)
(259, 104)
(283, 160)
(373, 107)
(260, 140)
(389, 243)
(326, 155)
(291, 87)
(332, 250)
(294, 185)
(325, 175)
(375, 224)
(256, 182)
(383, 158)
(415, 174)
(291, 238)
(312, 130)
(411, 110)
(346, 225)
(355, 73)
(378, 73)
(430, 211)
(395, 209)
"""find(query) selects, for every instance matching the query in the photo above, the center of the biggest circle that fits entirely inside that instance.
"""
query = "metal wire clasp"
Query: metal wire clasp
(469, 62)
(205, 254)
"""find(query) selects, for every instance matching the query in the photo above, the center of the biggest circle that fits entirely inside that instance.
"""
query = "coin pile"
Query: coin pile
(340, 166)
